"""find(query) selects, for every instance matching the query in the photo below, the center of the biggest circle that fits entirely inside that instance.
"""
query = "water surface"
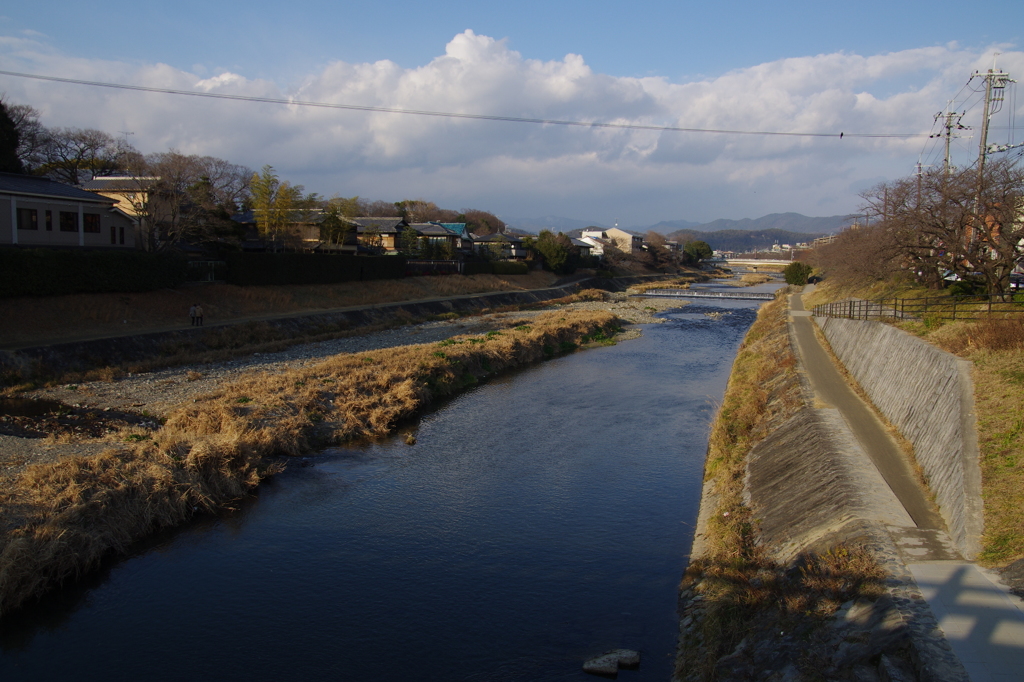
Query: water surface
(540, 519)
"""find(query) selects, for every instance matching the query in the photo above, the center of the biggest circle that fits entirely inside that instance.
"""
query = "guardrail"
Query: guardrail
(936, 307)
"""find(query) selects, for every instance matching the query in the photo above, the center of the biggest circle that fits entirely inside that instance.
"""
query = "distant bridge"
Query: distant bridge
(753, 263)
(697, 293)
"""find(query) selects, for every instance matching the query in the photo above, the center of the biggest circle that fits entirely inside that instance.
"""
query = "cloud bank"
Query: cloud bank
(518, 169)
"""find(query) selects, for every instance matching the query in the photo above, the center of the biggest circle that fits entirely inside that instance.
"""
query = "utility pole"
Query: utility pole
(951, 123)
(995, 87)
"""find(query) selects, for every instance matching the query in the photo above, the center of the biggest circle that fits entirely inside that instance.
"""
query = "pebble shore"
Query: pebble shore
(154, 394)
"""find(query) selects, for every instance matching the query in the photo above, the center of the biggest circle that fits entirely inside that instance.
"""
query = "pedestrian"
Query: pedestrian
(192, 313)
(199, 314)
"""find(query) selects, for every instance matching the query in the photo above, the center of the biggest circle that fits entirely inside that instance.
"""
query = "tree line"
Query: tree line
(191, 197)
(958, 224)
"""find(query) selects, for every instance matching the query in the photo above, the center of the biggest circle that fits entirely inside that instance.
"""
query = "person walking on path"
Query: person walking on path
(192, 313)
(199, 315)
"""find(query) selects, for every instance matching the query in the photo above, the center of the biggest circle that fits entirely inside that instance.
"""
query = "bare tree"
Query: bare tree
(947, 222)
(76, 155)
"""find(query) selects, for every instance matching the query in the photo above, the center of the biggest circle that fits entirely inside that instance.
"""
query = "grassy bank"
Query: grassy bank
(733, 589)
(995, 347)
(60, 520)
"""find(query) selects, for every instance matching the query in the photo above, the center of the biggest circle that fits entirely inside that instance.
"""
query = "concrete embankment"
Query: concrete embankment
(928, 395)
(119, 351)
(809, 490)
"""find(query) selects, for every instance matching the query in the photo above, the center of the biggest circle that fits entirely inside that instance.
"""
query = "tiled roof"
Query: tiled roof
(12, 183)
(383, 224)
(114, 183)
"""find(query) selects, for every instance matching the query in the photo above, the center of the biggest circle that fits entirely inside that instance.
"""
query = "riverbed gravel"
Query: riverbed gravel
(104, 408)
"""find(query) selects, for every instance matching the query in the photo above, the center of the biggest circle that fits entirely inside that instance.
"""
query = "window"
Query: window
(113, 234)
(49, 220)
(69, 221)
(92, 222)
(28, 219)
(122, 235)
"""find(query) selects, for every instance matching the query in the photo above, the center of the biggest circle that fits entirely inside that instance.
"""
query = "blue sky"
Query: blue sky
(821, 66)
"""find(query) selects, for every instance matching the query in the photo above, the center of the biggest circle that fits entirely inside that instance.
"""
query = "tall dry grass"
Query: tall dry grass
(59, 520)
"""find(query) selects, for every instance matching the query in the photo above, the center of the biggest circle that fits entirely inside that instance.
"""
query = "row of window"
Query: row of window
(28, 219)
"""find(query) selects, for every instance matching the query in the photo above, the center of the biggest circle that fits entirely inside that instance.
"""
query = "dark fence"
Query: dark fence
(433, 267)
(306, 268)
(207, 271)
(935, 308)
(54, 272)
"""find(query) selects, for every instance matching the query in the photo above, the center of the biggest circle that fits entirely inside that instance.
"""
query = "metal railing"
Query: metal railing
(940, 308)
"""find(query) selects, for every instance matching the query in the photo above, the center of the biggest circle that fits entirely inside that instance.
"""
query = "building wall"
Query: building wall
(50, 215)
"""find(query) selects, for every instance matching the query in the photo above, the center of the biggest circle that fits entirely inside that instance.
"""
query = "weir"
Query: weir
(691, 293)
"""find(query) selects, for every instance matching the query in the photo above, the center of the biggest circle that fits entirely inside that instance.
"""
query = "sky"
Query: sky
(863, 69)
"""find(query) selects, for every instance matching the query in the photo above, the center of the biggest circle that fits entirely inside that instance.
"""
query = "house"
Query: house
(380, 234)
(37, 211)
(596, 244)
(133, 195)
(620, 239)
(442, 242)
(586, 248)
(301, 233)
(500, 246)
(624, 241)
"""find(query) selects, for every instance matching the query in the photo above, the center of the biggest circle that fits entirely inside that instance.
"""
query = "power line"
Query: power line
(441, 114)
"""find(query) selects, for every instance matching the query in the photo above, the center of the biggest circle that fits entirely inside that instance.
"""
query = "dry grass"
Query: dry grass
(740, 584)
(682, 282)
(751, 279)
(60, 519)
(57, 317)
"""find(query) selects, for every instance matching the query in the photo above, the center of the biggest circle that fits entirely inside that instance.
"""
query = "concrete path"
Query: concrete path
(982, 621)
(832, 389)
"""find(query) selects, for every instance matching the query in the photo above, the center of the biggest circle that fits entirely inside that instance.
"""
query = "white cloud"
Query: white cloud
(526, 169)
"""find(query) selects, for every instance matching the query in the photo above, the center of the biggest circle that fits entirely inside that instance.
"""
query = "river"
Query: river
(540, 519)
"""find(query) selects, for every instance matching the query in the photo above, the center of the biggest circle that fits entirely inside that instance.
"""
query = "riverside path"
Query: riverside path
(981, 620)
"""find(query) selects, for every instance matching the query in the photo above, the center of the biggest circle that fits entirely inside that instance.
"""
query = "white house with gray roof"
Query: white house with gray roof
(39, 212)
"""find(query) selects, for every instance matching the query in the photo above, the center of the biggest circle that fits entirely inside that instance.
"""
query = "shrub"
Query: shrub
(796, 273)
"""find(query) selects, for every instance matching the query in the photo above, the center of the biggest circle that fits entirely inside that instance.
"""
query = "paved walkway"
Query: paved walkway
(982, 621)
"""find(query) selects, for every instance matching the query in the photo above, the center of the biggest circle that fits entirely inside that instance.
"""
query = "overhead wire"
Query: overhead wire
(442, 114)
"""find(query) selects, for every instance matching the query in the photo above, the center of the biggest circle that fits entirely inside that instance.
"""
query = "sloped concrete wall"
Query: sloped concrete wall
(809, 483)
(928, 395)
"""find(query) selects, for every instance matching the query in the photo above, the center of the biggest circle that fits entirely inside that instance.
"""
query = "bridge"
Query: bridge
(754, 263)
(697, 293)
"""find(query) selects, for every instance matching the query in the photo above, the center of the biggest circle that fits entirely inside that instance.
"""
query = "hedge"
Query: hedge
(307, 268)
(53, 272)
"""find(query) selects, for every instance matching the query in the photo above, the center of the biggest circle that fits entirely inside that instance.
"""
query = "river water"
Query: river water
(540, 519)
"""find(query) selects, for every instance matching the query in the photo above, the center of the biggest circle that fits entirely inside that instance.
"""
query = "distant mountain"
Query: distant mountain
(742, 240)
(553, 223)
(666, 226)
(790, 222)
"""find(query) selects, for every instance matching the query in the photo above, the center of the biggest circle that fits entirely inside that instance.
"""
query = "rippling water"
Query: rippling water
(540, 519)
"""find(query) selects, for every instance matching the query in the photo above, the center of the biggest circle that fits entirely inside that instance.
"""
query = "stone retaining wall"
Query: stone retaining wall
(928, 395)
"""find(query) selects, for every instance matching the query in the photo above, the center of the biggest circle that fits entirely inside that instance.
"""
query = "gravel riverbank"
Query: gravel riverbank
(98, 412)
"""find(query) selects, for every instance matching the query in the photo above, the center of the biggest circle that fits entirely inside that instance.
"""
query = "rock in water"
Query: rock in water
(628, 659)
(607, 665)
(609, 662)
